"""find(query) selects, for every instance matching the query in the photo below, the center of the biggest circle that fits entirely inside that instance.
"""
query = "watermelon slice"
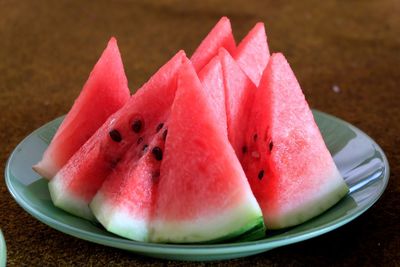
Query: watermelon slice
(132, 127)
(212, 80)
(104, 93)
(203, 193)
(219, 36)
(239, 94)
(291, 172)
(125, 202)
(252, 53)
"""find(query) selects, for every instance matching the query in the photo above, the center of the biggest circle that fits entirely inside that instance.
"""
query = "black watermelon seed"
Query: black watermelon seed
(157, 152)
(164, 135)
(244, 149)
(137, 126)
(271, 145)
(159, 127)
(140, 139)
(145, 147)
(115, 136)
(261, 174)
(255, 136)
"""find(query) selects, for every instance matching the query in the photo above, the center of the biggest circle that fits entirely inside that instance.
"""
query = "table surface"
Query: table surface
(47, 49)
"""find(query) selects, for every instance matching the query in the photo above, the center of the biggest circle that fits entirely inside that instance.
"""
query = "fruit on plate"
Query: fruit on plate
(105, 91)
(219, 36)
(239, 94)
(291, 172)
(199, 153)
(125, 202)
(131, 127)
(203, 194)
(252, 53)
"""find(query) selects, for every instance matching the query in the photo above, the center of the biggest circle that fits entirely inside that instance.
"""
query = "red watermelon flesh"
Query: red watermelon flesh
(203, 193)
(252, 53)
(212, 80)
(239, 94)
(124, 204)
(78, 181)
(219, 36)
(290, 170)
(104, 93)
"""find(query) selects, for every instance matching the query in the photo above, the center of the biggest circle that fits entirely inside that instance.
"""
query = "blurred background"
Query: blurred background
(50, 47)
(346, 55)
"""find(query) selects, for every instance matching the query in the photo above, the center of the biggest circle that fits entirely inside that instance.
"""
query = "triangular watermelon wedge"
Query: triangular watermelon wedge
(239, 94)
(291, 172)
(203, 193)
(132, 127)
(104, 93)
(252, 53)
(125, 202)
(219, 36)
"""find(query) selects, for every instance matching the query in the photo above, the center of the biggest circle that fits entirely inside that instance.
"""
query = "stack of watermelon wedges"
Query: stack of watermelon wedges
(215, 148)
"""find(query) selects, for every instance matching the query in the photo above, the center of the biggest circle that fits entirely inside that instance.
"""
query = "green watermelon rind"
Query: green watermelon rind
(250, 232)
(111, 216)
(257, 233)
(239, 221)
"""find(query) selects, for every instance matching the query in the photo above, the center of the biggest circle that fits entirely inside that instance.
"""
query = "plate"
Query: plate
(360, 160)
(3, 250)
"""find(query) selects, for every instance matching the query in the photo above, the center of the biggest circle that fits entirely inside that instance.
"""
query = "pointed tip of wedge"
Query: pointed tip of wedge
(39, 169)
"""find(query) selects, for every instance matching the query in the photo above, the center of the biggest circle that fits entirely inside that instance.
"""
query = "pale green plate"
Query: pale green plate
(360, 160)
(3, 250)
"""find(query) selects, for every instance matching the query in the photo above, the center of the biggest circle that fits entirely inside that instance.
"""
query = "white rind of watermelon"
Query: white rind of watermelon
(119, 221)
(326, 197)
(221, 227)
(74, 205)
(46, 169)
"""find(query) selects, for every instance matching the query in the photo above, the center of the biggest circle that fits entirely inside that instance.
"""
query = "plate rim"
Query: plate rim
(3, 250)
(195, 249)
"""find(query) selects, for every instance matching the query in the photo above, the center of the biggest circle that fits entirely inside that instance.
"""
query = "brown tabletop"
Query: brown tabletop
(47, 49)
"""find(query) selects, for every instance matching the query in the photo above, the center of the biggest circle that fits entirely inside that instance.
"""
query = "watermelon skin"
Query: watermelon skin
(212, 80)
(74, 186)
(252, 53)
(219, 36)
(290, 170)
(239, 94)
(203, 194)
(105, 92)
